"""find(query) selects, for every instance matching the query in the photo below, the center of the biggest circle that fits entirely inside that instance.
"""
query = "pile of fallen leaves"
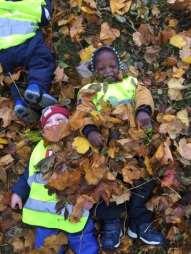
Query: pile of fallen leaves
(154, 41)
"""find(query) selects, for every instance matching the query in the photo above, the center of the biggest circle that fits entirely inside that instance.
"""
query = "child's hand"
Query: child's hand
(95, 139)
(16, 201)
(143, 120)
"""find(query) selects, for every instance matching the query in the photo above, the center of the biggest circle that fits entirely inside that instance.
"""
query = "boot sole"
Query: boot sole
(135, 236)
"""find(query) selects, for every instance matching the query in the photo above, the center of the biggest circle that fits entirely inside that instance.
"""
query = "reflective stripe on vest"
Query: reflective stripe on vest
(18, 21)
(122, 92)
(40, 208)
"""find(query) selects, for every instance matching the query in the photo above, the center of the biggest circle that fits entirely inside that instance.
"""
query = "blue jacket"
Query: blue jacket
(21, 187)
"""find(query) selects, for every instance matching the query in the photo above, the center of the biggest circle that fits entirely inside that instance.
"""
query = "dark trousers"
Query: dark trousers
(135, 208)
(35, 57)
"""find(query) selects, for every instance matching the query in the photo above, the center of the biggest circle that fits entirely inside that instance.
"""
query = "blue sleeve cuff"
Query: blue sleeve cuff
(89, 128)
(144, 108)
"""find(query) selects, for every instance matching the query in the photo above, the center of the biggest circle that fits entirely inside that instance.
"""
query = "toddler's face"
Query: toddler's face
(56, 119)
(107, 65)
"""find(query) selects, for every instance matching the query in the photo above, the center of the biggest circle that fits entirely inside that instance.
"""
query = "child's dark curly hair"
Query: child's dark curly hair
(98, 51)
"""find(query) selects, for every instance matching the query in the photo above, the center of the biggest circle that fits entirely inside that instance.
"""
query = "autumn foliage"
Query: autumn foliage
(154, 42)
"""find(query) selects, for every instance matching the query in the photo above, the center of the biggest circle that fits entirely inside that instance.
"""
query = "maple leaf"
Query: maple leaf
(94, 170)
(61, 180)
(108, 34)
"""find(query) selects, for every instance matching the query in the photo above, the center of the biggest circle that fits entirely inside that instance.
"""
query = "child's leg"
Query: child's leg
(42, 233)
(84, 242)
(140, 219)
(41, 65)
(111, 226)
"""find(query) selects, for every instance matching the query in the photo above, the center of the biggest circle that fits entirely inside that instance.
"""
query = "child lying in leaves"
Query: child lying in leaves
(40, 207)
(115, 91)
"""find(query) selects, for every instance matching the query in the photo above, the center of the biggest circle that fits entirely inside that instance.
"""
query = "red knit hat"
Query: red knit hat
(51, 110)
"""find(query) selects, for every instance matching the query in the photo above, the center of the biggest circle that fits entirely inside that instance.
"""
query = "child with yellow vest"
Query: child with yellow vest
(39, 207)
(116, 90)
(22, 45)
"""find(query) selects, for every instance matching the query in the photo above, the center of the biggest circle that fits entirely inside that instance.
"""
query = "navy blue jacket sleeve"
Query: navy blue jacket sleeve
(21, 187)
(46, 13)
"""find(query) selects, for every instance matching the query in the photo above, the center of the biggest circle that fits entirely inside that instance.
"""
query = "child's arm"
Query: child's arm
(46, 13)
(91, 132)
(20, 191)
(144, 106)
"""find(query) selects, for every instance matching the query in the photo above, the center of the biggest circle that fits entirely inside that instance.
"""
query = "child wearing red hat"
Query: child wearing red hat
(39, 207)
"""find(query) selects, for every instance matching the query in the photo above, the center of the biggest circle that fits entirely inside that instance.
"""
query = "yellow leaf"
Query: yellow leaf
(178, 72)
(187, 59)
(185, 55)
(182, 115)
(177, 41)
(148, 165)
(3, 141)
(120, 7)
(86, 53)
(81, 145)
(174, 83)
(175, 95)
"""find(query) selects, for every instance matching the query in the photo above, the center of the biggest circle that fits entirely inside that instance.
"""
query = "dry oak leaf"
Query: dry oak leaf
(81, 145)
(108, 34)
(131, 173)
(120, 7)
(184, 149)
(63, 179)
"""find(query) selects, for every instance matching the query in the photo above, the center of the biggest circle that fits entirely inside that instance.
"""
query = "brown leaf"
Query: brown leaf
(6, 160)
(131, 173)
(57, 132)
(108, 34)
(83, 202)
(184, 149)
(62, 180)
(6, 111)
(120, 7)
